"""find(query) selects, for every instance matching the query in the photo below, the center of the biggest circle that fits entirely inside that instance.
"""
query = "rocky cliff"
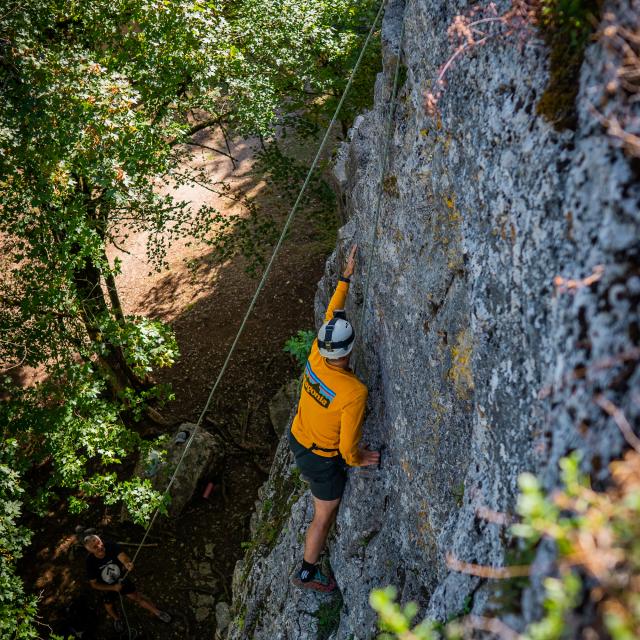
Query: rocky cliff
(479, 367)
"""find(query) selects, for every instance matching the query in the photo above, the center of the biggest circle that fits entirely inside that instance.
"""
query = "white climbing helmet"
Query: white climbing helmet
(335, 338)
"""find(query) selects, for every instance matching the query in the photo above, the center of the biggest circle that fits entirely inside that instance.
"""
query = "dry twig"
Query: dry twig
(481, 571)
(620, 419)
(495, 517)
(569, 285)
(491, 625)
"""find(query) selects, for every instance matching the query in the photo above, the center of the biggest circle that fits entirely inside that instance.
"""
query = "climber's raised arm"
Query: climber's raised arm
(339, 297)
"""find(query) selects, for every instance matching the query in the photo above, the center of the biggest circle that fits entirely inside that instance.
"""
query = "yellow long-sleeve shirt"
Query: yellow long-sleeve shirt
(332, 401)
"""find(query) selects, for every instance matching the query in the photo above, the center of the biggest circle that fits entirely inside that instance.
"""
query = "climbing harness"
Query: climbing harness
(385, 160)
(262, 282)
(315, 447)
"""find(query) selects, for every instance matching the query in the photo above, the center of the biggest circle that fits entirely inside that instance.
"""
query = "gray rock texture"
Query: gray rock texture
(479, 367)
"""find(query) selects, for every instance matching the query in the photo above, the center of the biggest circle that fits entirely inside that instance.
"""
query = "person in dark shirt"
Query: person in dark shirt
(107, 570)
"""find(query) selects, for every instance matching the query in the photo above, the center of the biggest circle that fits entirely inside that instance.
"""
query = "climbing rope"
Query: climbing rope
(262, 281)
(124, 612)
(385, 160)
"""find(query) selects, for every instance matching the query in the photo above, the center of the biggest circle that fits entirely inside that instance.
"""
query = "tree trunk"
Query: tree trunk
(94, 306)
(112, 289)
(113, 364)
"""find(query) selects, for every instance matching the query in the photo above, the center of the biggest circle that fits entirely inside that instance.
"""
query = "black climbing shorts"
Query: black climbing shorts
(326, 476)
(127, 587)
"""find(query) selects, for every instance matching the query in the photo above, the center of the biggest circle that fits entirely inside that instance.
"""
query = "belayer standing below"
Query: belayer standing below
(107, 571)
(325, 434)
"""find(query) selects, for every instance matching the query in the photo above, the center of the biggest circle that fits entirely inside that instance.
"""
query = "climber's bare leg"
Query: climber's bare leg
(324, 513)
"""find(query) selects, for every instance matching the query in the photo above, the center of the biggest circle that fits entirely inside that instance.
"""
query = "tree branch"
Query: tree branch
(222, 153)
(205, 124)
(119, 248)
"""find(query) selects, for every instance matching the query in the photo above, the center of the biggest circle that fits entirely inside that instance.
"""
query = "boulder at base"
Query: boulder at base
(201, 460)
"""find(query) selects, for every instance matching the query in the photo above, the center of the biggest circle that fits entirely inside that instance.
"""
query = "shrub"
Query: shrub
(299, 346)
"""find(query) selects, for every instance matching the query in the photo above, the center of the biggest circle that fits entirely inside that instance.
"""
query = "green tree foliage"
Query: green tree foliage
(16, 609)
(396, 621)
(99, 102)
(305, 50)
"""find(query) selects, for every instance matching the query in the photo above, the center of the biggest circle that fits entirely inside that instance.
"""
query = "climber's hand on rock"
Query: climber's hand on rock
(351, 262)
(368, 458)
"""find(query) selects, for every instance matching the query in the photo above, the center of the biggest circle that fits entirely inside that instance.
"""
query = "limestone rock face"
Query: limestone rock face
(478, 366)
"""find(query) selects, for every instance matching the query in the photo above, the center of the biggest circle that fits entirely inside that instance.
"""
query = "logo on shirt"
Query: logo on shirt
(316, 388)
(110, 573)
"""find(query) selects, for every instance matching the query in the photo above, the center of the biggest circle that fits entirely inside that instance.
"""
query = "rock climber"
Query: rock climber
(325, 433)
(107, 570)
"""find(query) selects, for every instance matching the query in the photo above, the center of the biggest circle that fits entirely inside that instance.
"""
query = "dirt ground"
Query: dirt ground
(187, 567)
